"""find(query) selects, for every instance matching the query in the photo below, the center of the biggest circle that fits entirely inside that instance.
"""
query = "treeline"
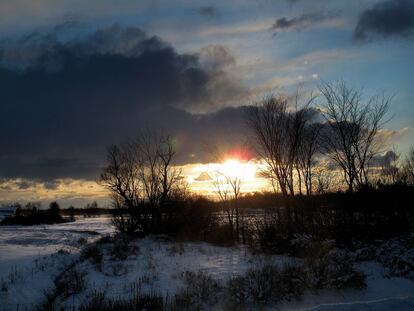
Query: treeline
(33, 214)
(314, 147)
(307, 146)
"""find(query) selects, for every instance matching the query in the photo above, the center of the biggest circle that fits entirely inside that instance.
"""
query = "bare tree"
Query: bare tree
(350, 134)
(307, 150)
(325, 179)
(406, 174)
(141, 176)
(269, 123)
(228, 189)
(279, 134)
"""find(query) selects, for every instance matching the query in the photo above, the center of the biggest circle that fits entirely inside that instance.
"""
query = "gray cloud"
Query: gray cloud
(388, 158)
(215, 57)
(208, 11)
(25, 184)
(390, 18)
(302, 21)
(66, 100)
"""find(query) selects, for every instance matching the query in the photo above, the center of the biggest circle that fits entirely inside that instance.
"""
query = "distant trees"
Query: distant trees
(142, 178)
(18, 209)
(33, 214)
(350, 132)
(54, 208)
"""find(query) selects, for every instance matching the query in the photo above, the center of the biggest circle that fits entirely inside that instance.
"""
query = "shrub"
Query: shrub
(270, 238)
(121, 247)
(293, 282)
(267, 284)
(202, 284)
(333, 269)
(71, 282)
(94, 254)
(200, 289)
(397, 256)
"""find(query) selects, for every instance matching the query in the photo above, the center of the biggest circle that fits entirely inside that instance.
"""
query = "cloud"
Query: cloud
(216, 57)
(387, 158)
(66, 191)
(390, 18)
(208, 11)
(301, 22)
(204, 176)
(388, 136)
(25, 184)
(67, 100)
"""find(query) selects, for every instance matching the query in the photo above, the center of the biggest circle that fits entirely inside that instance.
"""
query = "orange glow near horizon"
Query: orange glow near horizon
(201, 177)
(233, 168)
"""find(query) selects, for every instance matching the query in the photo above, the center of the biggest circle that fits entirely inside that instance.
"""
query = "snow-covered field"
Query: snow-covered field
(31, 257)
(20, 245)
(29, 260)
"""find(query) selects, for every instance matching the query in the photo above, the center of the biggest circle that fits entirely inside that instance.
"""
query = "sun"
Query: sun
(203, 178)
(234, 168)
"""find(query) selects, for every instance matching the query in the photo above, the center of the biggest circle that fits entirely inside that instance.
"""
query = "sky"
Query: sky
(77, 76)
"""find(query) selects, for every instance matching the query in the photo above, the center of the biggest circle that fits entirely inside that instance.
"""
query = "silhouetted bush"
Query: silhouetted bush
(332, 268)
(201, 289)
(267, 284)
(121, 247)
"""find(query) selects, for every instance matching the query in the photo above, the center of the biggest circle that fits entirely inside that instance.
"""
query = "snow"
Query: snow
(28, 259)
(381, 293)
(20, 245)
(29, 262)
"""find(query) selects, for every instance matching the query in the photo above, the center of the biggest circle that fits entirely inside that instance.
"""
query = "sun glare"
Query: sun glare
(202, 178)
(233, 168)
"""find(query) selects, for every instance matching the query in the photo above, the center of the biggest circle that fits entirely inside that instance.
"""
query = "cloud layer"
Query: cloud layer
(66, 100)
(390, 18)
(302, 21)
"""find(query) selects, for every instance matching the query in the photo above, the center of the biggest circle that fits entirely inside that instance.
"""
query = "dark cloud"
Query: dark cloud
(25, 184)
(64, 101)
(301, 22)
(208, 11)
(391, 18)
(51, 185)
